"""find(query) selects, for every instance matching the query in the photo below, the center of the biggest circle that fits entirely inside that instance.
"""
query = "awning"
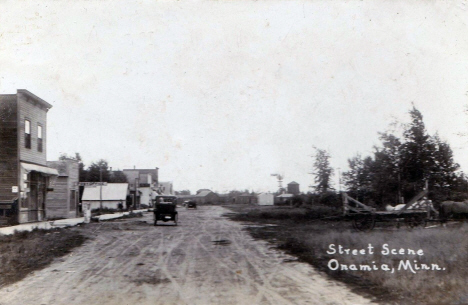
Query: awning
(39, 168)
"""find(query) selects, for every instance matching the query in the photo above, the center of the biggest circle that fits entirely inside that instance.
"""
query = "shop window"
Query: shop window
(27, 133)
(39, 138)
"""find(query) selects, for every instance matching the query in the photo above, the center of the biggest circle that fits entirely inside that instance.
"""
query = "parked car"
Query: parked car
(191, 204)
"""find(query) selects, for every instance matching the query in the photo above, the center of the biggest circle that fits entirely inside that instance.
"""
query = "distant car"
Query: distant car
(191, 204)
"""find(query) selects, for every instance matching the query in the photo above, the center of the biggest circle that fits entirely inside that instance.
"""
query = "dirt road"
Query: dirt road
(207, 259)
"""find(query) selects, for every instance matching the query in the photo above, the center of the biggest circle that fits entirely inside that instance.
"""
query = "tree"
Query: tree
(443, 178)
(117, 177)
(96, 169)
(386, 170)
(400, 167)
(322, 171)
(83, 173)
(358, 180)
(416, 154)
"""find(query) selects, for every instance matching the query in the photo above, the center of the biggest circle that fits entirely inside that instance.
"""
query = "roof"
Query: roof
(39, 168)
(111, 191)
(34, 97)
(204, 193)
(285, 196)
(294, 182)
(142, 170)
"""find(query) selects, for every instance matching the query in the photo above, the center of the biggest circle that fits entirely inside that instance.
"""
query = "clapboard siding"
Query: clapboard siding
(29, 109)
(8, 146)
(58, 201)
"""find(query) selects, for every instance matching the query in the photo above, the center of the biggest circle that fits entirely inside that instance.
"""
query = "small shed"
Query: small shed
(283, 199)
(266, 199)
(112, 195)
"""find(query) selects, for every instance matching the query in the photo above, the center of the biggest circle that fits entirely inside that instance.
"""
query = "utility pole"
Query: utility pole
(339, 180)
(136, 190)
(100, 188)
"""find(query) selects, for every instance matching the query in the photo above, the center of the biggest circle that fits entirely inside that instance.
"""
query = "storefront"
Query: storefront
(36, 181)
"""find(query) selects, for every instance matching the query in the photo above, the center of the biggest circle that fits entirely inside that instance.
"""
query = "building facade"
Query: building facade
(63, 201)
(166, 188)
(25, 177)
(142, 183)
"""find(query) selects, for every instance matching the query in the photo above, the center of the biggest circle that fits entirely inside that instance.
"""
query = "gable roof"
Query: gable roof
(111, 191)
(204, 193)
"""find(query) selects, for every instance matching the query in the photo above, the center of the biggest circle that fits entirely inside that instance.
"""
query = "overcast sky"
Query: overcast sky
(222, 94)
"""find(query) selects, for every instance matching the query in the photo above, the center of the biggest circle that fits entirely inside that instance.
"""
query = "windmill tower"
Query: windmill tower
(280, 182)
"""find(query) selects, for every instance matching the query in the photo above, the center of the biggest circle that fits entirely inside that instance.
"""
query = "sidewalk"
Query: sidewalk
(62, 223)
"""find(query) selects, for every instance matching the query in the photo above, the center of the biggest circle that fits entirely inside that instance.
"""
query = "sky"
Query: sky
(222, 94)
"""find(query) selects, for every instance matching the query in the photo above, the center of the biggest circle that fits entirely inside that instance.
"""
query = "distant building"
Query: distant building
(245, 199)
(203, 190)
(283, 199)
(265, 199)
(203, 197)
(111, 195)
(25, 177)
(142, 183)
(166, 188)
(293, 188)
(62, 202)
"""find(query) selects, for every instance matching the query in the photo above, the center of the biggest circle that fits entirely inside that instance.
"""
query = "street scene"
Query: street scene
(233, 152)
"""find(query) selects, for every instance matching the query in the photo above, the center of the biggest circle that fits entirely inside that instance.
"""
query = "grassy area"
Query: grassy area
(261, 213)
(25, 252)
(310, 240)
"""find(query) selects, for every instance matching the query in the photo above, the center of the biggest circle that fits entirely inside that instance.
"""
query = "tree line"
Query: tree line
(397, 169)
(96, 171)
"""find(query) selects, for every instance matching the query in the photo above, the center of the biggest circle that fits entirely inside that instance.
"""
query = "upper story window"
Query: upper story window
(39, 138)
(27, 133)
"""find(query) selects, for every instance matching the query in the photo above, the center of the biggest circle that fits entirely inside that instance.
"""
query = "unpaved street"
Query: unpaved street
(207, 259)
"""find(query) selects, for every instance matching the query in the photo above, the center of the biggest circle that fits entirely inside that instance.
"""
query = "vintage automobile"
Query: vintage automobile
(165, 209)
(190, 204)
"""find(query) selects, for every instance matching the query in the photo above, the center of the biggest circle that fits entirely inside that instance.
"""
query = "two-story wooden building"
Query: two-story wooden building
(24, 174)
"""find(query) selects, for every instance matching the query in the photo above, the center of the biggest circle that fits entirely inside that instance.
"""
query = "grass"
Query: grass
(25, 252)
(299, 234)
(261, 213)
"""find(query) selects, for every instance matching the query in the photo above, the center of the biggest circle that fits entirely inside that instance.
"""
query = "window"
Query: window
(27, 133)
(39, 138)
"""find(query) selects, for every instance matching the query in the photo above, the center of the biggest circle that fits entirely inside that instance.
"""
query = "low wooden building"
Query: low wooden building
(63, 201)
(265, 199)
(246, 199)
(109, 195)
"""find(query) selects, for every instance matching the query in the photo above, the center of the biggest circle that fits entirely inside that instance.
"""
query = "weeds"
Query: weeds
(24, 252)
(310, 240)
